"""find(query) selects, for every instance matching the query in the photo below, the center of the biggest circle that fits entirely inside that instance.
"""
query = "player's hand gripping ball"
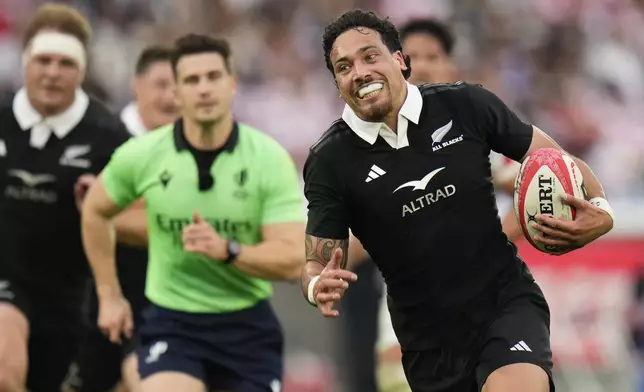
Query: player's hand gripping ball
(548, 183)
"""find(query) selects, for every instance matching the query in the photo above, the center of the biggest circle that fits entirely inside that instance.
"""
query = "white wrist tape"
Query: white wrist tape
(312, 283)
(603, 204)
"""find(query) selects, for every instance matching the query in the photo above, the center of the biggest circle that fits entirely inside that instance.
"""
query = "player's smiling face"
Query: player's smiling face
(368, 75)
(205, 87)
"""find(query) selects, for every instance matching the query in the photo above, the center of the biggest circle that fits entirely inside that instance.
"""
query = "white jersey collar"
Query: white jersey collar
(42, 127)
(369, 131)
(131, 117)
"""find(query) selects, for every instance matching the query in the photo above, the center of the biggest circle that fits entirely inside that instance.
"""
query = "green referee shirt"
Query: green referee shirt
(255, 184)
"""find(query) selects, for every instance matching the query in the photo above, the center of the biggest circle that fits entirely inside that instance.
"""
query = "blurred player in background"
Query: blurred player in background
(52, 137)
(101, 364)
(224, 217)
(429, 44)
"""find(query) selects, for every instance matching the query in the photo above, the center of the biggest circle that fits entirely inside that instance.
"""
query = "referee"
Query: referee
(225, 216)
(421, 202)
(53, 138)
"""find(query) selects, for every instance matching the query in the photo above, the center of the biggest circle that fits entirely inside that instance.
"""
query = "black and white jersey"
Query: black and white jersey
(422, 203)
(40, 161)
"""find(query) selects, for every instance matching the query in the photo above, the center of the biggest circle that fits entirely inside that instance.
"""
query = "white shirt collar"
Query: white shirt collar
(131, 117)
(42, 127)
(369, 131)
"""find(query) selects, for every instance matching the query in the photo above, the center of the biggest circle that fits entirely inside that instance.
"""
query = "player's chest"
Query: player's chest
(48, 175)
(175, 189)
(418, 179)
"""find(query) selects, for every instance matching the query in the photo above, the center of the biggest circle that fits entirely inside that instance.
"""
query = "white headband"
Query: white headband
(57, 43)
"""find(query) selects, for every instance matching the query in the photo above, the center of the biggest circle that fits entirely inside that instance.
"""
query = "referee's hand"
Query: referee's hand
(332, 284)
(115, 318)
(200, 237)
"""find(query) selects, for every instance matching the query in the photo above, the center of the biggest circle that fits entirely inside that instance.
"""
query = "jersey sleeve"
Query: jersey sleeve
(327, 215)
(119, 176)
(282, 194)
(504, 132)
(113, 137)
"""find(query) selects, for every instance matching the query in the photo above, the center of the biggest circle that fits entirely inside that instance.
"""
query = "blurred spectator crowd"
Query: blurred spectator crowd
(573, 67)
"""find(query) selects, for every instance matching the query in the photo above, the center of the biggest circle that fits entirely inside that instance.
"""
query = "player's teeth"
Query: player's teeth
(373, 87)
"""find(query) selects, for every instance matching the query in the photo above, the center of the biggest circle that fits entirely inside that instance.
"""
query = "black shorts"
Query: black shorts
(520, 333)
(54, 329)
(97, 367)
(240, 351)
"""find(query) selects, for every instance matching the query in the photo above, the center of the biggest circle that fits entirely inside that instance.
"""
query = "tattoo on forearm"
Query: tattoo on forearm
(321, 250)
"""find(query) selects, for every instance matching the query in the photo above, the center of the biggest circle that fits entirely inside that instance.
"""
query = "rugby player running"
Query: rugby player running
(225, 216)
(100, 363)
(52, 135)
(429, 45)
(459, 296)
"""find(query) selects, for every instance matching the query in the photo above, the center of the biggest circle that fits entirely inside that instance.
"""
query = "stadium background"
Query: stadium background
(574, 67)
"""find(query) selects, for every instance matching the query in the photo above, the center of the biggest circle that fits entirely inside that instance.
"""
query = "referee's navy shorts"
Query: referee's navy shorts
(240, 351)
(520, 333)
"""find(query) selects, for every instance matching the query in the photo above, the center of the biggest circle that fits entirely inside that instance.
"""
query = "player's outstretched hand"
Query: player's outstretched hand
(115, 318)
(332, 284)
(82, 185)
(589, 224)
(200, 237)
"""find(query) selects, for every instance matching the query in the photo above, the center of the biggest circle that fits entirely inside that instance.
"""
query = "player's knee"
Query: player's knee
(10, 380)
(14, 331)
(172, 381)
(130, 371)
(525, 377)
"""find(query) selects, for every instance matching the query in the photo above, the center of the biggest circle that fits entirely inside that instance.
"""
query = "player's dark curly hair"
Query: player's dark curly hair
(430, 27)
(367, 19)
(198, 43)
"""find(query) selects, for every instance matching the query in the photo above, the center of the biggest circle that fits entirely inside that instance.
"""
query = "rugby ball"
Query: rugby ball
(544, 176)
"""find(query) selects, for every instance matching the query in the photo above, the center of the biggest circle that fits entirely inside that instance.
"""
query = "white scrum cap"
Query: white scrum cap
(55, 42)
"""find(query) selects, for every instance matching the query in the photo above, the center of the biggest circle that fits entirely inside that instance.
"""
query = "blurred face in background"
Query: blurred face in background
(154, 93)
(51, 80)
(205, 88)
(367, 74)
(429, 62)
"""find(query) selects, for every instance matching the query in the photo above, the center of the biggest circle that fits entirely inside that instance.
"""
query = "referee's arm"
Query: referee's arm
(112, 193)
(279, 255)
(100, 217)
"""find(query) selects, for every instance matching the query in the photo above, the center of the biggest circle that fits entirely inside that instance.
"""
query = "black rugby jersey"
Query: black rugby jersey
(422, 203)
(40, 233)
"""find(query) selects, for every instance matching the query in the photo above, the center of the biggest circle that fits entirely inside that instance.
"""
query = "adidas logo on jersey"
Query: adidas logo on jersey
(521, 346)
(374, 173)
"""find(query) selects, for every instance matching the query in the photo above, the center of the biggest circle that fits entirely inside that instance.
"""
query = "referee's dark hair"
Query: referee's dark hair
(197, 43)
(368, 19)
(431, 27)
(152, 55)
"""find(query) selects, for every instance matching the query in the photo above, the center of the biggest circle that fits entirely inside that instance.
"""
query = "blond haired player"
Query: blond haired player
(52, 137)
